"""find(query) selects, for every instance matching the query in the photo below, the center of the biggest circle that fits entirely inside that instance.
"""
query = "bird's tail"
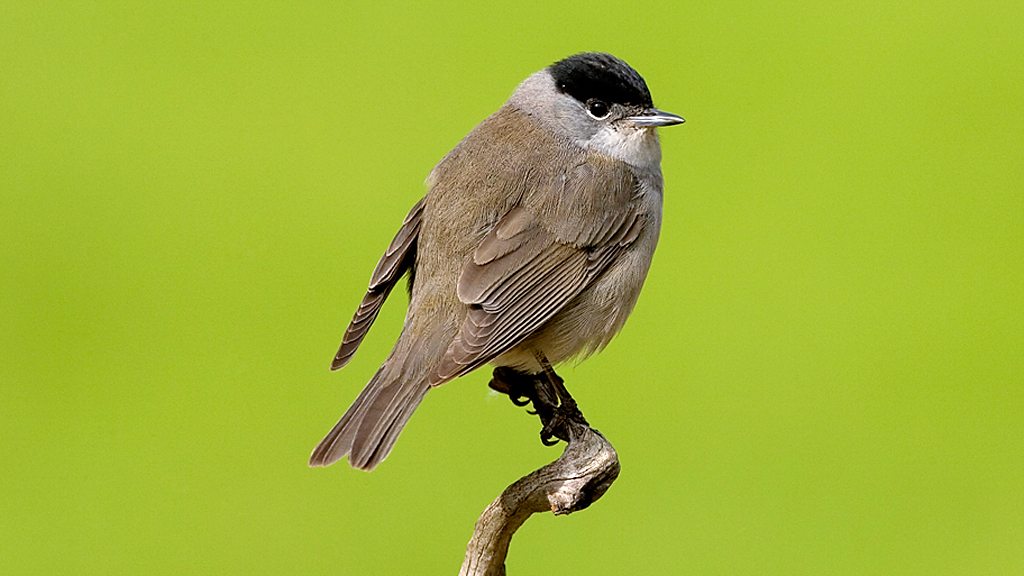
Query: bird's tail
(370, 427)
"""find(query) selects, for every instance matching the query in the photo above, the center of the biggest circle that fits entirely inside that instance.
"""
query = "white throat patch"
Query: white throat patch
(636, 147)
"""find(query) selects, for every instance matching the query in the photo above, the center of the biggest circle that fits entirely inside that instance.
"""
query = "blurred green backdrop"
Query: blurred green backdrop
(824, 375)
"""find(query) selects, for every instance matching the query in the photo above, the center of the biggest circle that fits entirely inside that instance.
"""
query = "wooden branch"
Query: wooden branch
(581, 475)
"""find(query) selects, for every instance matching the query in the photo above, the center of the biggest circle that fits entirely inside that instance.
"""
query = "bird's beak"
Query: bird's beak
(655, 117)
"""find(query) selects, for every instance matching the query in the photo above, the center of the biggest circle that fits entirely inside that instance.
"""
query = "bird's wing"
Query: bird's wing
(397, 259)
(532, 263)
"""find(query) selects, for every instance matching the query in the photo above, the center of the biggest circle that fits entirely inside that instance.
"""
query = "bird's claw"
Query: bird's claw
(553, 404)
(522, 401)
(510, 383)
(546, 439)
(559, 424)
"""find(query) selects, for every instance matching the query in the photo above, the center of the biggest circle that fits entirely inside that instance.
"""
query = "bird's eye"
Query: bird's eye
(597, 108)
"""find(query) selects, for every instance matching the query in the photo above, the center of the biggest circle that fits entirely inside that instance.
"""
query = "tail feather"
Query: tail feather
(370, 427)
(379, 430)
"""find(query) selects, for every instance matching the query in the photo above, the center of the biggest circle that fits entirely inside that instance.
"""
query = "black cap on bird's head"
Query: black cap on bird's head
(602, 76)
(593, 76)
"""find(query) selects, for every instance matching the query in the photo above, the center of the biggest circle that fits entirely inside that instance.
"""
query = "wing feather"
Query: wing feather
(397, 259)
(519, 278)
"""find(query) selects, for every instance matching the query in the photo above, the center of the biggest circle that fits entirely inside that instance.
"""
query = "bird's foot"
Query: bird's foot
(557, 410)
(520, 387)
(563, 416)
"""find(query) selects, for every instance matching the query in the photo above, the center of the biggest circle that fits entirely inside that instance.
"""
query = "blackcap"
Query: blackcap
(530, 246)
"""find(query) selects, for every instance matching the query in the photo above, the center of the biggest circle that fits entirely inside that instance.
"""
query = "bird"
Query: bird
(529, 248)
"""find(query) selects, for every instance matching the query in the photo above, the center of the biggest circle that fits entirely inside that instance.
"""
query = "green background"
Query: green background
(823, 376)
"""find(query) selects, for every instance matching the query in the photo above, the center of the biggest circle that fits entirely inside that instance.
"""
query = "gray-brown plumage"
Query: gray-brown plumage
(535, 237)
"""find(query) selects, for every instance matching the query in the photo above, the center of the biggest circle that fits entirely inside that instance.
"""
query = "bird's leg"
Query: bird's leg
(551, 401)
(566, 414)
